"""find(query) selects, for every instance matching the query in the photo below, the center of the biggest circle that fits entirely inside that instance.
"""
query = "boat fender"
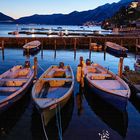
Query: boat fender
(78, 74)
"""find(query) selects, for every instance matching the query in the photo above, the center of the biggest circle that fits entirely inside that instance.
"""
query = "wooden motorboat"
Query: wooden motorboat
(116, 49)
(52, 90)
(32, 46)
(107, 85)
(13, 85)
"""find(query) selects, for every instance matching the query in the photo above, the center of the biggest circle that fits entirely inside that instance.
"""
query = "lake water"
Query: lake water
(6, 28)
(85, 116)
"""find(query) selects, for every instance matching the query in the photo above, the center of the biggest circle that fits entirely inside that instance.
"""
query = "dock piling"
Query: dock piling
(136, 46)
(42, 50)
(105, 47)
(75, 43)
(35, 67)
(90, 48)
(2, 48)
(120, 67)
(55, 44)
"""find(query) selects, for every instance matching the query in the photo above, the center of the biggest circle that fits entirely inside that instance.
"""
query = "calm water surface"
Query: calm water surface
(85, 116)
(6, 28)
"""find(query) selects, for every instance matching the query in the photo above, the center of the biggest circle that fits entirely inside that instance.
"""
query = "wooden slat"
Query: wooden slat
(10, 89)
(57, 79)
(13, 79)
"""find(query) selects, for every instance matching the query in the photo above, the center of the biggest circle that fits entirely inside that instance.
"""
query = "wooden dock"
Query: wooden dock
(67, 42)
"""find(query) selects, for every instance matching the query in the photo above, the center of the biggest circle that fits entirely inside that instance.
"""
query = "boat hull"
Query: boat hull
(117, 52)
(118, 102)
(49, 112)
(31, 50)
(10, 102)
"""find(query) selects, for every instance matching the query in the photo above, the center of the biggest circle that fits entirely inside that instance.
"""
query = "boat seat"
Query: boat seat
(13, 79)
(57, 82)
(10, 89)
(99, 76)
(58, 79)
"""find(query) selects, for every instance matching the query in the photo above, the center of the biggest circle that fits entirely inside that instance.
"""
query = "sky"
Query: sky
(20, 8)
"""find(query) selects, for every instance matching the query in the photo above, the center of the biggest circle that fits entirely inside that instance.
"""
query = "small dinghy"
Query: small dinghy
(107, 85)
(116, 49)
(52, 90)
(32, 46)
(13, 85)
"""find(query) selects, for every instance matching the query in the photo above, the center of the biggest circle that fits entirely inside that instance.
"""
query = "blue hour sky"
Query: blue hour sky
(20, 8)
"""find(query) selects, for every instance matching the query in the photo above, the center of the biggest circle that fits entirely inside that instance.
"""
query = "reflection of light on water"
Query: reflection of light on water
(33, 30)
(50, 31)
(66, 32)
(33, 35)
(17, 35)
(49, 35)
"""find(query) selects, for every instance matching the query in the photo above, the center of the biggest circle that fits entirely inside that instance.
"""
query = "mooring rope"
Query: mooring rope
(42, 119)
(59, 111)
(41, 67)
(58, 121)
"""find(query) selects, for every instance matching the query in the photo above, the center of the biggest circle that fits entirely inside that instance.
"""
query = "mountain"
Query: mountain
(76, 18)
(125, 17)
(4, 18)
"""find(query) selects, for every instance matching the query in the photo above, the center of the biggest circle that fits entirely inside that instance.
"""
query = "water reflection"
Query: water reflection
(114, 118)
(74, 55)
(9, 118)
(32, 53)
(79, 99)
(135, 100)
(54, 54)
(51, 129)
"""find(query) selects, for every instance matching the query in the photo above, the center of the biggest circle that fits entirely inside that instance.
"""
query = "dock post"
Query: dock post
(120, 67)
(26, 41)
(75, 43)
(105, 47)
(2, 48)
(136, 46)
(122, 42)
(55, 44)
(90, 48)
(35, 68)
(42, 50)
(64, 43)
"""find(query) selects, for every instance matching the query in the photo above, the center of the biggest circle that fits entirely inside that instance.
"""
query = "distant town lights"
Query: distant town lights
(134, 5)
